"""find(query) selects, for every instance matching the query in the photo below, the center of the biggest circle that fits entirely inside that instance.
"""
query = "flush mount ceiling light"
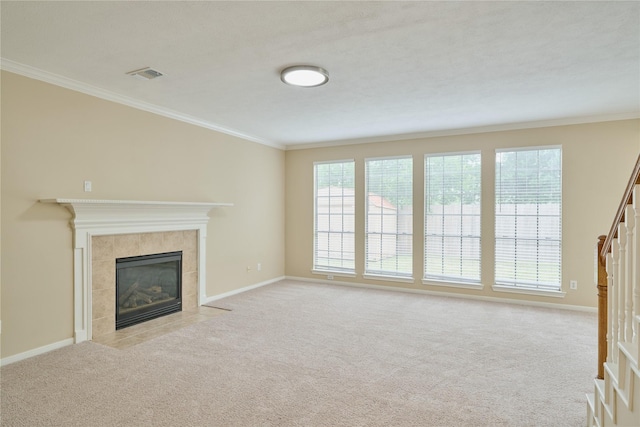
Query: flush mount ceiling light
(304, 76)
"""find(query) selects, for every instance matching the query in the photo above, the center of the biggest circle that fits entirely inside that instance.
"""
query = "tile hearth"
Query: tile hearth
(142, 332)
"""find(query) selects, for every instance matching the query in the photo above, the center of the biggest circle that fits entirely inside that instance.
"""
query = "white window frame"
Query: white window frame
(443, 279)
(514, 284)
(384, 274)
(327, 269)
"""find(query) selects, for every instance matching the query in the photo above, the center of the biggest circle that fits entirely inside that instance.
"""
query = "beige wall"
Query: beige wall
(589, 200)
(53, 139)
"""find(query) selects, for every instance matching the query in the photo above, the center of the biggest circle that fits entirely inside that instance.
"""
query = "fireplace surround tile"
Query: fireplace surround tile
(126, 245)
(102, 248)
(189, 261)
(172, 240)
(105, 301)
(103, 274)
(105, 249)
(150, 242)
(190, 241)
(189, 283)
(104, 325)
(189, 303)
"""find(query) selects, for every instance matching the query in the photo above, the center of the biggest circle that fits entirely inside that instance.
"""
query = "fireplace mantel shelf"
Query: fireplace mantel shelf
(122, 214)
(141, 203)
(110, 217)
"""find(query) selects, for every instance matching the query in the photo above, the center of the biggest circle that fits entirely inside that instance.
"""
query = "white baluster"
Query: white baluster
(611, 309)
(630, 219)
(621, 282)
(636, 264)
(615, 256)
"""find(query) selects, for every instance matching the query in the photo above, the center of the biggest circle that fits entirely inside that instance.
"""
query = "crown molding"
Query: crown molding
(67, 83)
(471, 130)
(55, 79)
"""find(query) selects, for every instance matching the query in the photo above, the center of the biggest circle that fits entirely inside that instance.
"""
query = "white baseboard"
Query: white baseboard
(448, 294)
(36, 351)
(69, 341)
(245, 289)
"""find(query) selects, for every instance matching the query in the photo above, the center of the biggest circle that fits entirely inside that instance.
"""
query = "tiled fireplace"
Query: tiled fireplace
(106, 249)
(104, 230)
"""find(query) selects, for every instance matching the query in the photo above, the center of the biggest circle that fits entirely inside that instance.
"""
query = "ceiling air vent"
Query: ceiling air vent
(145, 73)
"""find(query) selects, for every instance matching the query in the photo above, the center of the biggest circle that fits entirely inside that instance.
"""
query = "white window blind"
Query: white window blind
(452, 217)
(528, 218)
(389, 217)
(334, 216)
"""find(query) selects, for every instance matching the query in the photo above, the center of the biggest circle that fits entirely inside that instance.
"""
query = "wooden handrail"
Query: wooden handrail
(626, 199)
(602, 249)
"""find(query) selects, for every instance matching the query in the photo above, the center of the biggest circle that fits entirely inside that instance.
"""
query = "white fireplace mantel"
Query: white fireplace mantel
(105, 217)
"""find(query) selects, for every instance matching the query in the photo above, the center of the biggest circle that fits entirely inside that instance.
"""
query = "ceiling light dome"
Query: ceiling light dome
(304, 76)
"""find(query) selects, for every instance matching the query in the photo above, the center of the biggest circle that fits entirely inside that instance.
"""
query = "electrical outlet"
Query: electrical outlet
(87, 186)
(259, 267)
(573, 284)
(248, 269)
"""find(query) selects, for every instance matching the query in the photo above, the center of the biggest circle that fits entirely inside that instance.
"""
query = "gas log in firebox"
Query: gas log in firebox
(147, 287)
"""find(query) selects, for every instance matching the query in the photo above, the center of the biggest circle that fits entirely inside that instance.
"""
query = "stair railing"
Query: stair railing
(618, 278)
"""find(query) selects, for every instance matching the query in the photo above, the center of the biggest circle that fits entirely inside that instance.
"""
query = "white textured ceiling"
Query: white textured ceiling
(397, 69)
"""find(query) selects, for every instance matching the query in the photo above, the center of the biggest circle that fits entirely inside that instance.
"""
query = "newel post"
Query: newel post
(601, 277)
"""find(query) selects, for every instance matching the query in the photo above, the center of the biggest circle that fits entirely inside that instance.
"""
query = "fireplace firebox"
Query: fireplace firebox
(147, 287)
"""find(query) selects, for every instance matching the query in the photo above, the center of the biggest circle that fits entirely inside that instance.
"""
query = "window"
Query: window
(452, 217)
(389, 217)
(334, 224)
(528, 218)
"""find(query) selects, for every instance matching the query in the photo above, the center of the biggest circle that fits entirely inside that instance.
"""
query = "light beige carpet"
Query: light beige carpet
(300, 354)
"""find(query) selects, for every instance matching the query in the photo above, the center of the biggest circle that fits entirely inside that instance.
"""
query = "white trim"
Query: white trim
(334, 273)
(631, 353)
(241, 290)
(452, 153)
(36, 352)
(529, 291)
(65, 82)
(531, 148)
(107, 217)
(398, 157)
(448, 294)
(461, 285)
(384, 278)
(325, 162)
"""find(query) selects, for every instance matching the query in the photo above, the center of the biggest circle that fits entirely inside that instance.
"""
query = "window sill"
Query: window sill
(334, 273)
(388, 278)
(463, 285)
(529, 291)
